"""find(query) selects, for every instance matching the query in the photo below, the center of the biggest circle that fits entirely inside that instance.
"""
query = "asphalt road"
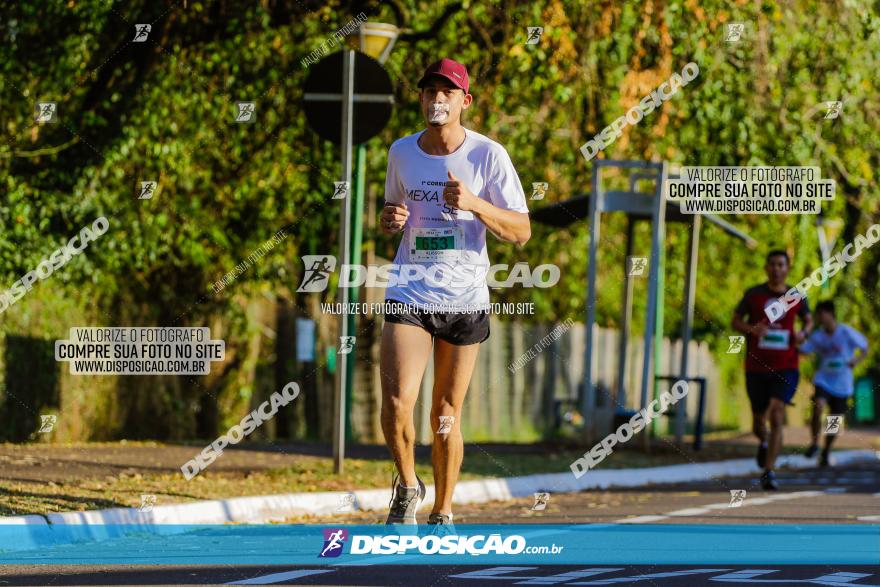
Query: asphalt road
(454, 576)
(845, 495)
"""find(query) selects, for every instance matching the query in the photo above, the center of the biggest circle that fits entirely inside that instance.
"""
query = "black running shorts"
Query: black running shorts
(761, 387)
(836, 404)
(458, 328)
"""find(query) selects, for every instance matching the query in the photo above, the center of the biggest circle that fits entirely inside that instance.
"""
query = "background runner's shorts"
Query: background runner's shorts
(762, 386)
(457, 328)
(836, 404)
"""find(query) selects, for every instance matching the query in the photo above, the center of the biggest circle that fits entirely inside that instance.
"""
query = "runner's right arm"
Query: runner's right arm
(808, 347)
(393, 217)
(740, 325)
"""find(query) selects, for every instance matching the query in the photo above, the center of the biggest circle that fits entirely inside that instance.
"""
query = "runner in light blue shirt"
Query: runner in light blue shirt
(840, 348)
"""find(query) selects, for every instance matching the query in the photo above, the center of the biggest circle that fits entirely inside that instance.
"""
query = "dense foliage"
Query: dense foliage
(164, 110)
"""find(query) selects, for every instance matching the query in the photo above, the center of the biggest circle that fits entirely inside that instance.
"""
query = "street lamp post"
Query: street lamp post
(376, 40)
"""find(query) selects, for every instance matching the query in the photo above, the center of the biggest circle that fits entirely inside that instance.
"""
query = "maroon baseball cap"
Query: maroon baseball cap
(451, 70)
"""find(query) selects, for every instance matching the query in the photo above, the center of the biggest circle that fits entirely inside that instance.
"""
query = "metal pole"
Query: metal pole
(626, 317)
(698, 428)
(344, 239)
(588, 398)
(657, 218)
(658, 329)
(356, 242)
(690, 288)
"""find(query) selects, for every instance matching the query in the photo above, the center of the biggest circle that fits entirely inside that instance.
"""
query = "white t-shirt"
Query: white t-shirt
(835, 351)
(442, 254)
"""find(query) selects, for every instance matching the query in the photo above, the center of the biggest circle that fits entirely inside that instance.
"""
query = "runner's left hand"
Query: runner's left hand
(457, 194)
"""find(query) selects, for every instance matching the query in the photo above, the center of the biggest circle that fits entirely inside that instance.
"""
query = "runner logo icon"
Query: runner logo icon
(334, 539)
(534, 33)
(46, 112)
(346, 502)
(637, 265)
(246, 112)
(340, 190)
(736, 344)
(148, 500)
(737, 497)
(832, 109)
(833, 424)
(539, 189)
(735, 32)
(148, 188)
(541, 499)
(47, 423)
(317, 271)
(346, 345)
(141, 32)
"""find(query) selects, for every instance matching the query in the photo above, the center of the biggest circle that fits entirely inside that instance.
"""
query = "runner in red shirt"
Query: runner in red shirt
(771, 358)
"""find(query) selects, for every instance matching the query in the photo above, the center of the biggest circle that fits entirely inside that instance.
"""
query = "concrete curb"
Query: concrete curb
(23, 521)
(273, 508)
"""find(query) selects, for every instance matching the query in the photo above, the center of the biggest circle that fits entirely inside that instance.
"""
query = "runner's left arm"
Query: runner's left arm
(861, 343)
(508, 225)
(504, 211)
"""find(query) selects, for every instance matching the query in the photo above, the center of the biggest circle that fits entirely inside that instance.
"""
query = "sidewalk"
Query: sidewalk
(59, 481)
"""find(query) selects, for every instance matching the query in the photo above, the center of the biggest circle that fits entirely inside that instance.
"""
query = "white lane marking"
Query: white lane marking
(869, 518)
(689, 512)
(717, 506)
(278, 577)
(746, 576)
(642, 519)
(635, 578)
(503, 574)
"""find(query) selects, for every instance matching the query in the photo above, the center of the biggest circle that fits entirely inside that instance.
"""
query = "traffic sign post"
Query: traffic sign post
(355, 90)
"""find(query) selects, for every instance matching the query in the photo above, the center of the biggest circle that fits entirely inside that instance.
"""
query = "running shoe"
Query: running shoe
(443, 519)
(442, 524)
(811, 452)
(762, 455)
(768, 481)
(823, 459)
(405, 502)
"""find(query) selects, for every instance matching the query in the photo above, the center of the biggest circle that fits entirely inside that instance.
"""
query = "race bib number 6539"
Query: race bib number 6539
(432, 245)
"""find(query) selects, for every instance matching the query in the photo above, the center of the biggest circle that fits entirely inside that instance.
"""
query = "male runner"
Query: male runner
(771, 358)
(836, 344)
(445, 186)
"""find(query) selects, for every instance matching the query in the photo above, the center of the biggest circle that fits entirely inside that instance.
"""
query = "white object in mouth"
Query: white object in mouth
(439, 112)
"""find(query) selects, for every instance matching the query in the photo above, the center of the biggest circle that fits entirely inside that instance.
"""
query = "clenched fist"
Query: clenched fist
(457, 195)
(393, 218)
